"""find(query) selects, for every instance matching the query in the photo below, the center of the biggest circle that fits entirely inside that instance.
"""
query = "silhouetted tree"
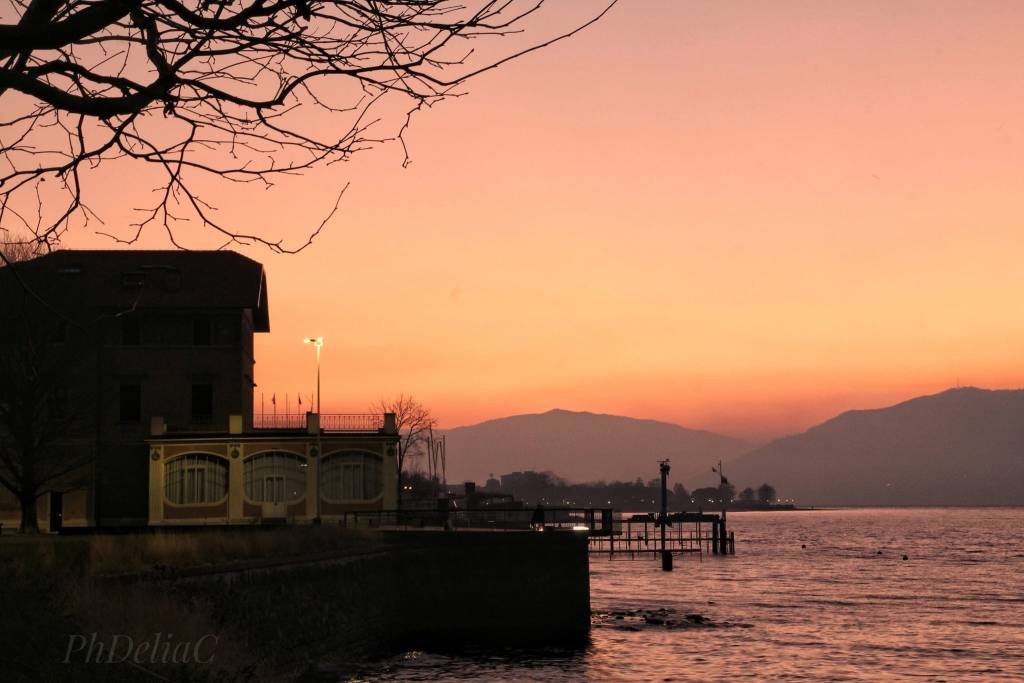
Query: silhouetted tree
(766, 493)
(747, 495)
(708, 495)
(39, 416)
(417, 485)
(17, 247)
(414, 423)
(211, 91)
(680, 494)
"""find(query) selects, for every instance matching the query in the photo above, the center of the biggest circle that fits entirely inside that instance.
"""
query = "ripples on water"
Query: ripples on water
(835, 610)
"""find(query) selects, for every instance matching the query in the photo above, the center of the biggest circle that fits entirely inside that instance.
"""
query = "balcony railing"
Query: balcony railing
(366, 422)
(354, 422)
(279, 421)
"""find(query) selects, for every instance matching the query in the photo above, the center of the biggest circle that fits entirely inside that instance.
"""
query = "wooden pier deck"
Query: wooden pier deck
(687, 532)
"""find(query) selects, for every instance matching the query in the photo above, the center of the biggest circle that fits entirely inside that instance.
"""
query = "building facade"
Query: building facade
(158, 352)
(274, 474)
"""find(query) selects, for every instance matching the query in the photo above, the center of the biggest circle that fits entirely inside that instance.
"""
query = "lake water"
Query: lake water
(837, 609)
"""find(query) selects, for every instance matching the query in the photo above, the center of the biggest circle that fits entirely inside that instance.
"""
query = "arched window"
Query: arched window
(196, 478)
(351, 475)
(275, 477)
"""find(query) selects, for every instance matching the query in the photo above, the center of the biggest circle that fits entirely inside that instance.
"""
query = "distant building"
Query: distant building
(161, 349)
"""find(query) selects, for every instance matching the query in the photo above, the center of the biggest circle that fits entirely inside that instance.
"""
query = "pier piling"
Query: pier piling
(663, 521)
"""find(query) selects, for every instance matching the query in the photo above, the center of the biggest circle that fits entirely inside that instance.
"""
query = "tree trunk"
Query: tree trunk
(29, 517)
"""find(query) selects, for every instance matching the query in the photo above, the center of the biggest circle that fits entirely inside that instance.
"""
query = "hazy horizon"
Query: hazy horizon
(753, 442)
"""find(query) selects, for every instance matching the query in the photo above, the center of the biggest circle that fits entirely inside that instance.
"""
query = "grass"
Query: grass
(121, 554)
(117, 555)
(52, 587)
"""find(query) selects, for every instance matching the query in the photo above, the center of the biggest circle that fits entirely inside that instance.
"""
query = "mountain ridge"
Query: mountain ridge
(961, 446)
(582, 446)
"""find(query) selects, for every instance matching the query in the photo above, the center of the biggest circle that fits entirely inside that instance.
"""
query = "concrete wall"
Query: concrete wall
(425, 590)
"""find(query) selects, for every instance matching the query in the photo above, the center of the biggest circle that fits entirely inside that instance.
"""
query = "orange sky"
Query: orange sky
(737, 216)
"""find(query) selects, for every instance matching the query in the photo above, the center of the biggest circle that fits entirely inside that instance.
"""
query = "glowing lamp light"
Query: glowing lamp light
(580, 527)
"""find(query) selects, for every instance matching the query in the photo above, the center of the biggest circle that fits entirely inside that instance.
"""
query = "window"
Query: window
(275, 477)
(130, 403)
(351, 475)
(202, 333)
(196, 478)
(202, 403)
(131, 331)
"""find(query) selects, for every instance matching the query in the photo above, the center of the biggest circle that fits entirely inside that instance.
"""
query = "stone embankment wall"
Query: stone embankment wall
(419, 590)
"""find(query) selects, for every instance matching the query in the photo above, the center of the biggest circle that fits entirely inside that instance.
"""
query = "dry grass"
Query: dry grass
(141, 611)
(117, 555)
(63, 585)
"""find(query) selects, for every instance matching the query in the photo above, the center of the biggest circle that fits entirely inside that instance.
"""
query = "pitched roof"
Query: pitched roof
(110, 279)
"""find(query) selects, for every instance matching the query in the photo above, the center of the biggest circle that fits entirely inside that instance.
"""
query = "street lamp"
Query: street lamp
(317, 342)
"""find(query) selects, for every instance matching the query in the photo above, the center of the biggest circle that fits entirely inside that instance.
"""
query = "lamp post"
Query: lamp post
(317, 343)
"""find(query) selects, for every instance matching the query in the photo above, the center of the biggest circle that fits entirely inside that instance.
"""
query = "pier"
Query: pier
(687, 532)
(609, 533)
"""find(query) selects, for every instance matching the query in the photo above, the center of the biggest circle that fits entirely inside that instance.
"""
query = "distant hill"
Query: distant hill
(582, 447)
(960, 447)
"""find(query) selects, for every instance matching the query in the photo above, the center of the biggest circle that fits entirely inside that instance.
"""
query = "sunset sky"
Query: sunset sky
(737, 216)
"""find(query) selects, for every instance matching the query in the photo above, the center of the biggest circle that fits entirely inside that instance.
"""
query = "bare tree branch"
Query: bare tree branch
(207, 92)
(414, 422)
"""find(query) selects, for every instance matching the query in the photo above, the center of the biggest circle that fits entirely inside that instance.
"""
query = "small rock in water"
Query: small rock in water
(879, 552)
(803, 545)
(905, 557)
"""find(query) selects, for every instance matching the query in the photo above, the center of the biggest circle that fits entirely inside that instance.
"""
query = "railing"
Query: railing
(596, 521)
(687, 532)
(329, 423)
(279, 421)
(609, 533)
(352, 423)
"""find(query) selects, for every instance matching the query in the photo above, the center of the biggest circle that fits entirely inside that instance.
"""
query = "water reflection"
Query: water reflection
(821, 595)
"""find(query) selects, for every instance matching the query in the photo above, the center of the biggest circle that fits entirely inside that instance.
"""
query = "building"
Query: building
(156, 349)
